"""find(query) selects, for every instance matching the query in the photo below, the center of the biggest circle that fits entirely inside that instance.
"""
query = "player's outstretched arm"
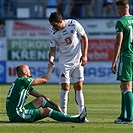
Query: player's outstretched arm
(49, 72)
(45, 77)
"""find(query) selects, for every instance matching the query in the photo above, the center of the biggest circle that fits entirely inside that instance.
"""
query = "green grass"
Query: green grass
(102, 102)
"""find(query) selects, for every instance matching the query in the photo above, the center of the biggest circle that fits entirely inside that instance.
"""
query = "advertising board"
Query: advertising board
(94, 72)
(28, 41)
(2, 71)
(3, 49)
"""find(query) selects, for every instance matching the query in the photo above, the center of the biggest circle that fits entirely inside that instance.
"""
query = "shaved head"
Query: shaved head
(23, 70)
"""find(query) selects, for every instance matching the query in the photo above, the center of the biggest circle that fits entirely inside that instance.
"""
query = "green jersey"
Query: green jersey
(125, 26)
(17, 95)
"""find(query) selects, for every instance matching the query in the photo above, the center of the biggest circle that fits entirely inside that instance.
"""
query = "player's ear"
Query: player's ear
(60, 21)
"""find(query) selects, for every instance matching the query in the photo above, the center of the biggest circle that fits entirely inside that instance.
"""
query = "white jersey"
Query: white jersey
(68, 41)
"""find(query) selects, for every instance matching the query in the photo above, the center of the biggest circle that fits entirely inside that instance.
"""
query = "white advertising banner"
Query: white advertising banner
(27, 28)
(3, 49)
(95, 72)
(95, 28)
(99, 28)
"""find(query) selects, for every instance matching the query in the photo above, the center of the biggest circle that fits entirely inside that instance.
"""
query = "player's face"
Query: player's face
(28, 72)
(119, 10)
(56, 25)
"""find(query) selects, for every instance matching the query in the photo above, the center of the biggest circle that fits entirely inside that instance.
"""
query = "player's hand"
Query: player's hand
(113, 68)
(83, 60)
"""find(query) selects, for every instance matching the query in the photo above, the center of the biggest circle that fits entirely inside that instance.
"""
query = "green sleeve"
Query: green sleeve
(119, 27)
(27, 81)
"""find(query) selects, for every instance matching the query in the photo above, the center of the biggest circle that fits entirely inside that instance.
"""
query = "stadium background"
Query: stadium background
(24, 38)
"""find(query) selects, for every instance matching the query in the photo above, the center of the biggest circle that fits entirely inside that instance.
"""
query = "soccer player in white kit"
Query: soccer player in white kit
(68, 35)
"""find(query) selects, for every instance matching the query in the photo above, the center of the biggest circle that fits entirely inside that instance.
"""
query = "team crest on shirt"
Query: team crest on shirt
(68, 40)
(59, 37)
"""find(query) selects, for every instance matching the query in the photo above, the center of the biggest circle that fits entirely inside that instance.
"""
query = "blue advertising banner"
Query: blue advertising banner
(2, 72)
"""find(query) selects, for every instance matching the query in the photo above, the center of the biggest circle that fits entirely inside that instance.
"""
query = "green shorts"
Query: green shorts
(30, 110)
(125, 71)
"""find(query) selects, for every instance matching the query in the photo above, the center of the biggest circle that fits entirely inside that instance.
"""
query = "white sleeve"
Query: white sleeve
(79, 28)
(51, 41)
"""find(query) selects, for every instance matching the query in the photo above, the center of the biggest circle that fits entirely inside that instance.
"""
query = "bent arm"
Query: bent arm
(84, 49)
(37, 94)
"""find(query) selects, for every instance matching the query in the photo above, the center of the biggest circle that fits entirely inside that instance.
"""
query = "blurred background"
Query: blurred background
(68, 8)
(24, 36)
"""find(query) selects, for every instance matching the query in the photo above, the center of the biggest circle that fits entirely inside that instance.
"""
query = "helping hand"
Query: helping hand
(51, 65)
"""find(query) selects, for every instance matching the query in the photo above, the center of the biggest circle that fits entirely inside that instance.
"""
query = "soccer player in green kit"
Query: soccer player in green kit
(37, 109)
(124, 49)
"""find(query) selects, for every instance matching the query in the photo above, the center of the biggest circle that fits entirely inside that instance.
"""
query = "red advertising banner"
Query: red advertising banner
(101, 49)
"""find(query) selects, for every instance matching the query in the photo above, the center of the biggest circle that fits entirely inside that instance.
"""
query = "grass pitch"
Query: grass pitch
(102, 102)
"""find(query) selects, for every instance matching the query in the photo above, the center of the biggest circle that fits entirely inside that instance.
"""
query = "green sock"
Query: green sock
(63, 117)
(48, 104)
(123, 107)
(129, 104)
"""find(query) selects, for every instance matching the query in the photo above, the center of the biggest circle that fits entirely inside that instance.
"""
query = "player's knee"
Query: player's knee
(45, 111)
(65, 86)
(40, 99)
(77, 86)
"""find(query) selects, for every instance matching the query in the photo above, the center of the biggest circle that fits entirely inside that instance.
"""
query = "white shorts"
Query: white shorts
(66, 72)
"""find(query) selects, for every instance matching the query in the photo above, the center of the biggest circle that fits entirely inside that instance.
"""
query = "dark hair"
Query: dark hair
(55, 17)
(18, 69)
(121, 3)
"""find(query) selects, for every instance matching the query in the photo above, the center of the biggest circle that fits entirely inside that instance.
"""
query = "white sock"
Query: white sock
(64, 100)
(50, 112)
(44, 102)
(79, 98)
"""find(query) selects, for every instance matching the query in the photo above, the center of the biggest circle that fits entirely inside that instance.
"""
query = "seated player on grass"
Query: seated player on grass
(39, 108)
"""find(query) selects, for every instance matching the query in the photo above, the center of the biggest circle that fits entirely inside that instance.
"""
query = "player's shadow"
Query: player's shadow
(37, 122)
(4, 122)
